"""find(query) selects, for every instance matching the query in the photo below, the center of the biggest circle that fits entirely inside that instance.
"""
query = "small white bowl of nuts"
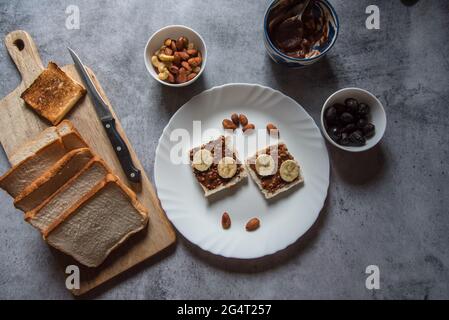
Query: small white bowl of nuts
(175, 56)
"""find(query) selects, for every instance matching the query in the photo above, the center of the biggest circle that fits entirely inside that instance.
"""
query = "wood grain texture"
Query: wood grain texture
(18, 124)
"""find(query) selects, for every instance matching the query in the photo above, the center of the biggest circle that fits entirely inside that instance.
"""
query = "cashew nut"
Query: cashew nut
(166, 58)
(164, 75)
(161, 67)
(155, 61)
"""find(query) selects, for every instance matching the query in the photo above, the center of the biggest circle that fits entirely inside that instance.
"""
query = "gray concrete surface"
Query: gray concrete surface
(387, 207)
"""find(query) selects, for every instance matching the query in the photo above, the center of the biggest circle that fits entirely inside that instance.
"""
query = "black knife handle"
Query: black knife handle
(121, 150)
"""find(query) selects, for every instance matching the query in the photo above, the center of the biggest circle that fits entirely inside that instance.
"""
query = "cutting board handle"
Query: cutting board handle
(24, 53)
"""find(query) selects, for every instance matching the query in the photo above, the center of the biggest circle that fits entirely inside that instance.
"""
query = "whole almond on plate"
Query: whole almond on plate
(243, 120)
(228, 124)
(249, 126)
(235, 118)
(225, 221)
(253, 224)
(272, 129)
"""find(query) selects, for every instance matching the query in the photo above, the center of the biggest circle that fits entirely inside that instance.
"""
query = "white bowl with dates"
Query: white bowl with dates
(162, 65)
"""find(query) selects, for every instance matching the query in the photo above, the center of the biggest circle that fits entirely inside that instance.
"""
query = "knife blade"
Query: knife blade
(107, 119)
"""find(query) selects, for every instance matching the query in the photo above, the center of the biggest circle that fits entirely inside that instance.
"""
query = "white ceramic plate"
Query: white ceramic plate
(283, 219)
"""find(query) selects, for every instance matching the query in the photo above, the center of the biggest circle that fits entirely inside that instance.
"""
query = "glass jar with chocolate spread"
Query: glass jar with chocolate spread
(297, 37)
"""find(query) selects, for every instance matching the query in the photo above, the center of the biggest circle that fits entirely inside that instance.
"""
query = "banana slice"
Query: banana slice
(202, 160)
(265, 165)
(289, 170)
(227, 167)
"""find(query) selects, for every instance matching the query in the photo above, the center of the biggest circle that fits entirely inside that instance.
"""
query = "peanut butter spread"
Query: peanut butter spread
(274, 182)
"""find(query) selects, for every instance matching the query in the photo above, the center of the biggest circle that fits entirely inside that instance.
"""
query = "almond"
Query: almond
(253, 224)
(194, 62)
(181, 43)
(226, 221)
(177, 60)
(272, 129)
(192, 52)
(191, 76)
(181, 78)
(243, 120)
(235, 119)
(173, 69)
(186, 66)
(182, 55)
(249, 126)
(171, 78)
(228, 124)
(173, 45)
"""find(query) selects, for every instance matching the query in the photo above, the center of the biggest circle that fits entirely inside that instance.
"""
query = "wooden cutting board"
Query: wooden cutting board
(18, 124)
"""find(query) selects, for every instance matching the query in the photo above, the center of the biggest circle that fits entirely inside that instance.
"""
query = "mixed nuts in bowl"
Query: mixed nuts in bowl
(175, 56)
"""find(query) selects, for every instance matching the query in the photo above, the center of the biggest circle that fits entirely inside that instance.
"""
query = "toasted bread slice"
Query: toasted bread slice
(78, 186)
(65, 131)
(61, 172)
(53, 94)
(23, 174)
(98, 223)
(264, 183)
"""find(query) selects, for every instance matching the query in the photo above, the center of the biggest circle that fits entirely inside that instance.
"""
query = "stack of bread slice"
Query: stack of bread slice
(71, 196)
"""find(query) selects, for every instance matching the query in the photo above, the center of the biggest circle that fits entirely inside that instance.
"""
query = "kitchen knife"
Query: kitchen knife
(121, 150)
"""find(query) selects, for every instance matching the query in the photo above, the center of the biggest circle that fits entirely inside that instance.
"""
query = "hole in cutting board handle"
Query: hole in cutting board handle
(19, 44)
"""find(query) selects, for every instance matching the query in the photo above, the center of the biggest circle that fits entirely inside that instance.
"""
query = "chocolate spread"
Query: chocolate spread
(294, 37)
(274, 182)
(210, 179)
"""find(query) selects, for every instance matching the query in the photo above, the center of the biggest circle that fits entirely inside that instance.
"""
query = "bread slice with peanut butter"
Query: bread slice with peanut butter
(280, 173)
(216, 165)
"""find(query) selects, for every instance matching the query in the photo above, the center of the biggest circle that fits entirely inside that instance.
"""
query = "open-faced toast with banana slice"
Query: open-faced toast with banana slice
(216, 165)
(274, 169)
